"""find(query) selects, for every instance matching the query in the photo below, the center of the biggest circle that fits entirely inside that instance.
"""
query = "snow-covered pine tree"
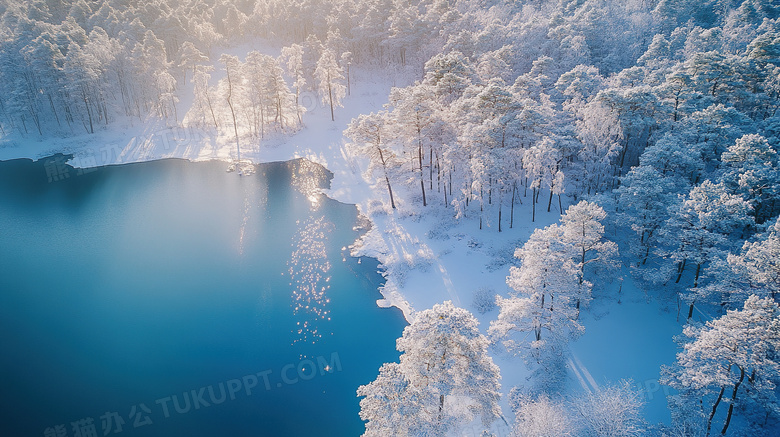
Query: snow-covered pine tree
(392, 406)
(331, 80)
(444, 367)
(599, 131)
(758, 264)
(582, 229)
(449, 75)
(292, 60)
(542, 417)
(702, 227)
(204, 99)
(614, 410)
(542, 163)
(190, 57)
(444, 351)
(414, 118)
(729, 360)
(751, 169)
(367, 133)
(229, 89)
(545, 289)
(644, 196)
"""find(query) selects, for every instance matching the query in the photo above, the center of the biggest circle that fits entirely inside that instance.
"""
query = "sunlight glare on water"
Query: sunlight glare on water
(184, 300)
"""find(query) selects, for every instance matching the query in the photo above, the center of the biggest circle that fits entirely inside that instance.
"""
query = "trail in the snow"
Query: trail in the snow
(582, 374)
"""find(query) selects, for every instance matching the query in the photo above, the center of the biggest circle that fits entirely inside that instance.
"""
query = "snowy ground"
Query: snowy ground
(429, 258)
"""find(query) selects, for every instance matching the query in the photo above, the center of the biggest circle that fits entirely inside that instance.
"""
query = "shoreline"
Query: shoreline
(391, 297)
(318, 140)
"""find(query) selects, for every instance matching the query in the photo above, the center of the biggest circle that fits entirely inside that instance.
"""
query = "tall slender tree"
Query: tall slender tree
(232, 66)
(331, 80)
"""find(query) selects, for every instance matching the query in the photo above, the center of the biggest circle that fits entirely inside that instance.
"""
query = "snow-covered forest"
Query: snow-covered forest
(651, 126)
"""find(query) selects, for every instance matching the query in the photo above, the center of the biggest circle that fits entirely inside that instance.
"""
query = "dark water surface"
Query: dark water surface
(171, 298)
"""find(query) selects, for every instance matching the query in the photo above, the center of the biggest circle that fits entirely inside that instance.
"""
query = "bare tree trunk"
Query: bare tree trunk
(53, 110)
(714, 409)
(387, 178)
(695, 285)
(733, 399)
(430, 168)
(422, 177)
(512, 208)
(211, 108)
(438, 174)
(233, 113)
(390, 190)
(298, 106)
(499, 216)
(330, 96)
(549, 201)
(480, 210)
(175, 112)
(89, 113)
(680, 270)
(349, 84)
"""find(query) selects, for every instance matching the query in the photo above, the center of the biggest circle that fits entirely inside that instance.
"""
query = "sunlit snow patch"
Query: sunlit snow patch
(243, 167)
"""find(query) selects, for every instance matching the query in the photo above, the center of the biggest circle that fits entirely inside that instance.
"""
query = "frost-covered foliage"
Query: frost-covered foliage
(484, 300)
(443, 366)
(546, 288)
(542, 417)
(731, 360)
(392, 406)
(543, 96)
(550, 285)
(369, 139)
(330, 80)
(701, 228)
(758, 263)
(253, 96)
(611, 411)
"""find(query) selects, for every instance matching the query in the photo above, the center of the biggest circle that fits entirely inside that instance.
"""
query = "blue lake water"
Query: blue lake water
(172, 298)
